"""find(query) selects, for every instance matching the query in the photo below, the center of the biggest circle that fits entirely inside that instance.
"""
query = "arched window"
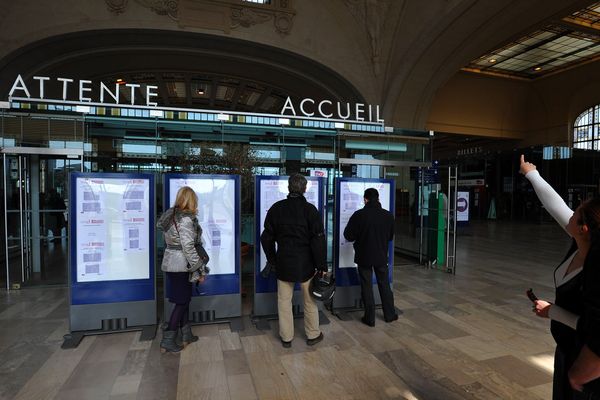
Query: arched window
(585, 130)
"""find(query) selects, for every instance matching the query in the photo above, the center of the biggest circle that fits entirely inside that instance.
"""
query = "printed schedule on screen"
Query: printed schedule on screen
(216, 216)
(350, 200)
(113, 217)
(273, 190)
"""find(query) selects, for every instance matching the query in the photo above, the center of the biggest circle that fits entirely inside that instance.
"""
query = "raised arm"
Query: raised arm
(551, 200)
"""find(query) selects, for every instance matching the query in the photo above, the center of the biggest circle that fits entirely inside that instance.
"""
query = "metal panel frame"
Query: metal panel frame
(216, 308)
(88, 316)
(265, 303)
(348, 296)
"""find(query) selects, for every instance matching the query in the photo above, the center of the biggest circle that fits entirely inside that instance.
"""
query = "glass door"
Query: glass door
(36, 198)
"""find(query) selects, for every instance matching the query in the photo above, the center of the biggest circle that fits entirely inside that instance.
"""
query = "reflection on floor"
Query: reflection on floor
(469, 336)
(53, 264)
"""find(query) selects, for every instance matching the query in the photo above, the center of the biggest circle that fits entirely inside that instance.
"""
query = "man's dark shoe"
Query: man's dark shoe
(312, 342)
(394, 318)
(285, 344)
(364, 321)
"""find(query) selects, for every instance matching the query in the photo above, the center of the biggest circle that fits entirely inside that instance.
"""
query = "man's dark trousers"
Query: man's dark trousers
(385, 292)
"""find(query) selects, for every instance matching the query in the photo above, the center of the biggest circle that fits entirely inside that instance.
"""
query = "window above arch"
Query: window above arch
(586, 129)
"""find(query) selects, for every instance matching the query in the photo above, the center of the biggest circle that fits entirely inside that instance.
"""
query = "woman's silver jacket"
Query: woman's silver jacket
(180, 253)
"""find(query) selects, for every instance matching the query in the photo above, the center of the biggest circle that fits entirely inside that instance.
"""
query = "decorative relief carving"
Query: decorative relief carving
(283, 23)
(162, 7)
(116, 6)
(251, 14)
(372, 14)
(242, 15)
(247, 17)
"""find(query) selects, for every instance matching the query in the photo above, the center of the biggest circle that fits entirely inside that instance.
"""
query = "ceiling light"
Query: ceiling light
(200, 91)
(537, 69)
(121, 81)
(492, 60)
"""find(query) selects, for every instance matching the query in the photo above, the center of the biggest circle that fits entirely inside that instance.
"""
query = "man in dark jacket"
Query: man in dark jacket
(371, 229)
(296, 226)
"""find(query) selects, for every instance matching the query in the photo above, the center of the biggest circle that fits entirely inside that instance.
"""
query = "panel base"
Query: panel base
(210, 309)
(108, 317)
(349, 298)
(262, 323)
(265, 304)
(72, 340)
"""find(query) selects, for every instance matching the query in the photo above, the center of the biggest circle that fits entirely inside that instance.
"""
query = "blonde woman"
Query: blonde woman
(181, 232)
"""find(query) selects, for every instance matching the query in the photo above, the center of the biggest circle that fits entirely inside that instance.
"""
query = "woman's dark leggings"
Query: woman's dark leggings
(179, 316)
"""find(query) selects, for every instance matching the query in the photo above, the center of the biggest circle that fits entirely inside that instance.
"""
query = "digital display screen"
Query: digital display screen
(217, 218)
(350, 200)
(112, 230)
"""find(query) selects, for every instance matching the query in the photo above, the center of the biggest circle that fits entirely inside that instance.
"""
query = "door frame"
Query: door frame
(23, 152)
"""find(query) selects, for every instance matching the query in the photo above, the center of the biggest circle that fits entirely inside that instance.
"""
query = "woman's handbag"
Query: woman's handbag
(202, 252)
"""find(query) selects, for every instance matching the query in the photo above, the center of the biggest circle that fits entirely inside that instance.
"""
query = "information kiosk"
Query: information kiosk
(268, 191)
(348, 199)
(219, 298)
(111, 255)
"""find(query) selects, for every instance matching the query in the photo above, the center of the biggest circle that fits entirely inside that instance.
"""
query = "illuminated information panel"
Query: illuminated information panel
(350, 199)
(217, 216)
(273, 189)
(113, 228)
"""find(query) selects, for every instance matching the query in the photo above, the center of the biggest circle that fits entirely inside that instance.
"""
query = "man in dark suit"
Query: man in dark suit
(296, 227)
(371, 229)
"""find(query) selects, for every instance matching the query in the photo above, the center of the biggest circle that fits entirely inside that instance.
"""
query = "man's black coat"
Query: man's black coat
(371, 229)
(296, 226)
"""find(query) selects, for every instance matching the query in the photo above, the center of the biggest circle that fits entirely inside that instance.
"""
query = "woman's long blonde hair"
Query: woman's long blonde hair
(186, 200)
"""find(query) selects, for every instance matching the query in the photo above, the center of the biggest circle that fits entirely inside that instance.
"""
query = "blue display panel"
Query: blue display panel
(111, 222)
(349, 198)
(269, 190)
(219, 218)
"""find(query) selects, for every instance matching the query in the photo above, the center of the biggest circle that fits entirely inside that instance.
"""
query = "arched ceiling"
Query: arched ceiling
(396, 53)
(451, 36)
(190, 69)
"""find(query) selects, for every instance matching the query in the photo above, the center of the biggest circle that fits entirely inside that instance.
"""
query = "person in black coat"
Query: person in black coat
(584, 373)
(371, 229)
(297, 228)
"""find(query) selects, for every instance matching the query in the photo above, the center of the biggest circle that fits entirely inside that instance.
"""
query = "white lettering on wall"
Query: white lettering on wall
(65, 82)
(288, 104)
(340, 111)
(469, 150)
(360, 109)
(302, 107)
(19, 85)
(41, 79)
(327, 109)
(379, 119)
(132, 86)
(83, 88)
(321, 109)
(151, 93)
(114, 95)
(88, 91)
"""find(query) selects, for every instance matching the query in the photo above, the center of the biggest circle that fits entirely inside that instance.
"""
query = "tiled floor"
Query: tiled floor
(469, 336)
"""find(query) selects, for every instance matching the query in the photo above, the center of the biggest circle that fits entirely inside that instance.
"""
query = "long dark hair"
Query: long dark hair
(589, 214)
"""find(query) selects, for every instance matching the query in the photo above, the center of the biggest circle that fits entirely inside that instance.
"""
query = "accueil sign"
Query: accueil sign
(110, 95)
(328, 109)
